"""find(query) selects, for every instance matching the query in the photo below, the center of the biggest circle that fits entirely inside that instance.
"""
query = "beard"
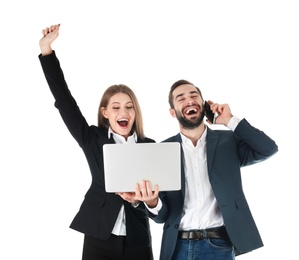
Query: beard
(189, 123)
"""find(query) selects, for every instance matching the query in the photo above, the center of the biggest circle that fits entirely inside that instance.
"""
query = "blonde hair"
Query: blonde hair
(111, 91)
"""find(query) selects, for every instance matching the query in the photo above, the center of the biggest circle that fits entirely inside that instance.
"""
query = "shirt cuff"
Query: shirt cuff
(135, 204)
(233, 123)
(155, 210)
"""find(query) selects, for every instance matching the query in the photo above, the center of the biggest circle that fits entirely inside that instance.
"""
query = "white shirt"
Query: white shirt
(200, 210)
(119, 228)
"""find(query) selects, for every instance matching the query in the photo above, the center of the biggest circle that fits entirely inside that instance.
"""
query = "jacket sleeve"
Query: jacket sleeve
(253, 145)
(64, 101)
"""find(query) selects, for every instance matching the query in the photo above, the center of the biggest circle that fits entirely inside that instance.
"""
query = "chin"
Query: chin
(125, 133)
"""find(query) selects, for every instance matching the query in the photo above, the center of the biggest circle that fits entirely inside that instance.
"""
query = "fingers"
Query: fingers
(50, 29)
(137, 191)
(144, 192)
(156, 193)
(222, 113)
(218, 108)
(146, 189)
(214, 106)
(49, 36)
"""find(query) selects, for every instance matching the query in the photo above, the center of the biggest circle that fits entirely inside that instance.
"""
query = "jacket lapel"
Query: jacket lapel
(212, 139)
(179, 139)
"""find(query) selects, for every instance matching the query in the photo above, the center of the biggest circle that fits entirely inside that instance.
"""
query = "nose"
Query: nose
(124, 110)
(190, 101)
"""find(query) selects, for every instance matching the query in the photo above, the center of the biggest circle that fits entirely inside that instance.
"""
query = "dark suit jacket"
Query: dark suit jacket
(227, 151)
(99, 210)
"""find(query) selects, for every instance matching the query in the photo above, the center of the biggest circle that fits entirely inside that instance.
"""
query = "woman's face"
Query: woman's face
(121, 114)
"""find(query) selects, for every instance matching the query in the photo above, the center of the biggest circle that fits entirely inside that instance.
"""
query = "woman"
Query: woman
(115, 226)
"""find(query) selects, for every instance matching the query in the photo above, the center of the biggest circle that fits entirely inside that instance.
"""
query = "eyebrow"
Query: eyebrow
(182, 94)
(116, 102)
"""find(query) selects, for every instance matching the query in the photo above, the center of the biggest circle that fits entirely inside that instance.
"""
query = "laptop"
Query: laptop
(128, 164)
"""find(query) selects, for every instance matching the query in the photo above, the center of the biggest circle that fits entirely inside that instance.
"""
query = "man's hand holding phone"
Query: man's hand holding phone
(209, 114)
(222, 113)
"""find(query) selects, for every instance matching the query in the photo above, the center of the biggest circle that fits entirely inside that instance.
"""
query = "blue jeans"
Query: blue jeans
(206, 249)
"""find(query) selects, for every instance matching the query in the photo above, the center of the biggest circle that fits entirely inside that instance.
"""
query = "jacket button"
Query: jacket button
(176, 226)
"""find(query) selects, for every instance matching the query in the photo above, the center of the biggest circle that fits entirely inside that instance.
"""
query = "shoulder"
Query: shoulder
(100, 133)
(175, 138)
(147, 140)
(99, 130)
(219, 132)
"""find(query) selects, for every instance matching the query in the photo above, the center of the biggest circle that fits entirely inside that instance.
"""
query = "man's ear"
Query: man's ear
(104, 112)
(172, 112)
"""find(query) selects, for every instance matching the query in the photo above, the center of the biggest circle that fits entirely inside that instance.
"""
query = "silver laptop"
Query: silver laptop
(128, 164)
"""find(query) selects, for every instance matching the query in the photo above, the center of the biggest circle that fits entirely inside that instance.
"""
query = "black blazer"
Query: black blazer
(99, 210)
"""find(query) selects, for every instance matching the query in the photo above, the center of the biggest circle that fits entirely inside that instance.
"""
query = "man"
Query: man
(209, 218)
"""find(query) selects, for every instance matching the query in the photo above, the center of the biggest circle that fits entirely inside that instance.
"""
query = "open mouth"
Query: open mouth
(123, 122)
(191, 111)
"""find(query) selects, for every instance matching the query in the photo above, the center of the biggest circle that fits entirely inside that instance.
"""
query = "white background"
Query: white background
(244, 53)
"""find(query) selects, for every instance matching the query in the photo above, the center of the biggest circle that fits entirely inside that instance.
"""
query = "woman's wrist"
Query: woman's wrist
(153, 203)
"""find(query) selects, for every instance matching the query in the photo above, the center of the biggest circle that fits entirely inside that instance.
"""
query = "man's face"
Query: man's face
(188, 106)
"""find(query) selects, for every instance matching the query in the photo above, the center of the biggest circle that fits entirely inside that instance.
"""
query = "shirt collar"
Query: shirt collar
(120, 139)
(200, 141)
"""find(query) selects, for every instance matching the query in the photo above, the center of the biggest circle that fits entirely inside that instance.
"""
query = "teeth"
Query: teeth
(122, 120)
(191, 109)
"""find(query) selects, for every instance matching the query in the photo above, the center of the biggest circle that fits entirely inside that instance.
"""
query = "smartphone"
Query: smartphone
(208, 113)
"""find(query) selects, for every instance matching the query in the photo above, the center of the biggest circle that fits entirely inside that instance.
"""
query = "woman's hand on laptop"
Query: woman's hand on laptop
(128, 196)
(143, 192)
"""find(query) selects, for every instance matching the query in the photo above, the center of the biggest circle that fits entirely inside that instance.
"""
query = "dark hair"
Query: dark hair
(111, 91)
(175, 85)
